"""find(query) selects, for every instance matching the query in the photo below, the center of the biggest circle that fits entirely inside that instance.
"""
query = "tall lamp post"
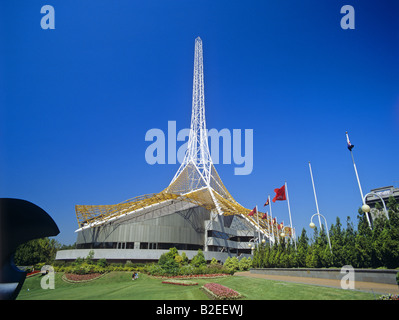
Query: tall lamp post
(312, 225)
(366, 208)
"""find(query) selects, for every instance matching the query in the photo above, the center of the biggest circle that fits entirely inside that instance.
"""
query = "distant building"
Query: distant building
(374, 197)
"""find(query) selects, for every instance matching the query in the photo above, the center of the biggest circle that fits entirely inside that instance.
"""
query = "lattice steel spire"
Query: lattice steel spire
(198, 151)
(197, 170)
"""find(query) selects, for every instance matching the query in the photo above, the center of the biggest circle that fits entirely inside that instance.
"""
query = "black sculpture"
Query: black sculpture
(20, 221)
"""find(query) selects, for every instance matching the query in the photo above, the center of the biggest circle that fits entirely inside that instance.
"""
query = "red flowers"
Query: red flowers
(32, 273)
(218, 291)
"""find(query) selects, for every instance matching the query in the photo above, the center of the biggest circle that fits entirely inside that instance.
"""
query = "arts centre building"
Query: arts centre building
(194, 212)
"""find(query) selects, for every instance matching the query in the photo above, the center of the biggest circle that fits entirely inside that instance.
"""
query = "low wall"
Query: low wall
(387, 276)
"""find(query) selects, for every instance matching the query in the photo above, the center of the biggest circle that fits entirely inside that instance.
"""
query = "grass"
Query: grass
(119, 286)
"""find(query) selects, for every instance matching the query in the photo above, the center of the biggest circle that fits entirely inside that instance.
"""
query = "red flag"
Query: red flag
(280, 194)
(280, 226)
(264, 216)
(267, 203)
(252, 212)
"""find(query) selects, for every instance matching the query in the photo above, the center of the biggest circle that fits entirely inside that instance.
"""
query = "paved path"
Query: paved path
(379, 288)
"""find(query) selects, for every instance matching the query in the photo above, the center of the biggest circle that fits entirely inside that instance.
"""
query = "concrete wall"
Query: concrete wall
(387, 276)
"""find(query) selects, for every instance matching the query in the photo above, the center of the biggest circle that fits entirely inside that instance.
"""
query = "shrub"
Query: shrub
(231, 264)
(155, 270)
(168, 263)
(102, 263)
(199, 259)
(245, 264)
(184, 259)
(186, 270)
(179, 259)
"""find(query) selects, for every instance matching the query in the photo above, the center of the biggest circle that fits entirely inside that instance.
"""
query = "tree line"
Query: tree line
(361, 247)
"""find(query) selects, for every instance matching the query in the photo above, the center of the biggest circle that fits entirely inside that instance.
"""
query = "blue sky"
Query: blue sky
(77, 101)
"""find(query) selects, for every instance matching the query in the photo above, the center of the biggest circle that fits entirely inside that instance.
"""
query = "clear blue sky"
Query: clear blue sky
(77, 101)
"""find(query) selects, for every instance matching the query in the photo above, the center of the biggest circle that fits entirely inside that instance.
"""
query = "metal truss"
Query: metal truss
(196, 180)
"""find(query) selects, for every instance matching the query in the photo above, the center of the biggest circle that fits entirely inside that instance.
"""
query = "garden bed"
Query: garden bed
(181, 282)
(78, 278)
(33, 273)
(216, 291)
(194, 276)
(389, 297)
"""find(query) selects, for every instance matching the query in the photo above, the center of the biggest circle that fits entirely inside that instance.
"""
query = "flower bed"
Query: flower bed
(75, 278)
(389, 297)
(32, 273)
(218, 292)
(194, 276)
(181, 282)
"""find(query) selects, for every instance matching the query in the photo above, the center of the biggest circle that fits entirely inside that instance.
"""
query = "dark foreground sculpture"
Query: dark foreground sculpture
(20, 221)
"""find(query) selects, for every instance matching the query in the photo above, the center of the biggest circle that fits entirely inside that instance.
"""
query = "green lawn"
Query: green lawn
(119, 286)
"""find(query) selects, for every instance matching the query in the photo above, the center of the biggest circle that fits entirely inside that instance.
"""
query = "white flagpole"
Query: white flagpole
(270, 221)
(271, 216)
(354, 166)
(289, 209)
(268, 228)
(257, 215)
(314, 191)
(357, 177)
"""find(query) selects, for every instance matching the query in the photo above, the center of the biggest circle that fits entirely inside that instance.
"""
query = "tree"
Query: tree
(385, 236)
(199, 259)
(231, 264)
(349, 243)
(337, 243)
(167, 261)
(184, 259)
(35, 251)
(245, 264)
(362, 247)
(303, 245)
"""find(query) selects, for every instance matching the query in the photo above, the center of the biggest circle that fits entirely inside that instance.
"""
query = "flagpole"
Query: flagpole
(289, 209)
(314, 191)
(271, 221)
(268, 229)
(358, 180)
(257, 215)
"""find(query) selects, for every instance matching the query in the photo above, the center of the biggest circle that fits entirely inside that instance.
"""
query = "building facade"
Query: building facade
(183, 225)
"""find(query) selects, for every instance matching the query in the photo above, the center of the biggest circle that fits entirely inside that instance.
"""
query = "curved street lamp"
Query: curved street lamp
(366, 208)
(252, 247)
(312, 225)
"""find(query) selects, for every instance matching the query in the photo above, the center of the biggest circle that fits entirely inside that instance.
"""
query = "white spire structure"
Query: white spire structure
(196, 180)
(197, 153)
(197, 172)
